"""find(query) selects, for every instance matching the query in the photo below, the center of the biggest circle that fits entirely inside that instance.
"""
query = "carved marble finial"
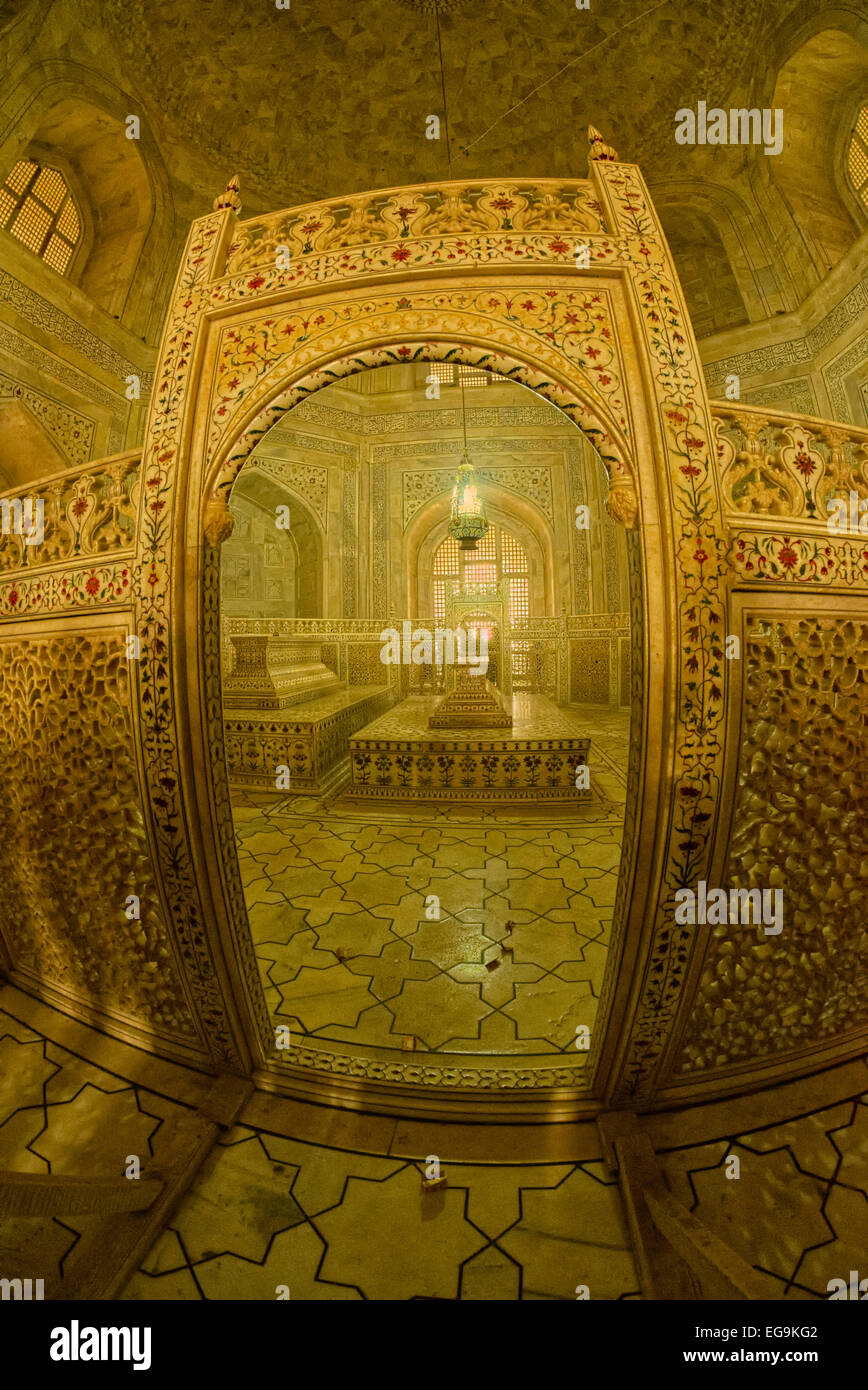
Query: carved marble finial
(219, 521)
(229, 199)
(622, 504)
(598, 149)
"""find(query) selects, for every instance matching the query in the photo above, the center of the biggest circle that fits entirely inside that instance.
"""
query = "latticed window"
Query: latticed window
(37, 207)
(499, 555)
(472, 376)
(857, 157)
(449, 375)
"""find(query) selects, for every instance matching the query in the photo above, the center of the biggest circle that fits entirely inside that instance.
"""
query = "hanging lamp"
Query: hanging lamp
(468, 522)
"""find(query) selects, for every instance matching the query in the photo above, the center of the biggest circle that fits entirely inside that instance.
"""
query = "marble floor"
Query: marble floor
(320, 1219)
(330, 1204)
(326, 1223)
(350, 943)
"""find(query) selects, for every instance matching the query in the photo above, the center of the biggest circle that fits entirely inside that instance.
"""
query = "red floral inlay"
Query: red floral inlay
(805, 463)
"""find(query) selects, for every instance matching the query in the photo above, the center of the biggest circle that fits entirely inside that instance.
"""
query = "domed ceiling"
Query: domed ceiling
(332, 97)
(328, 97)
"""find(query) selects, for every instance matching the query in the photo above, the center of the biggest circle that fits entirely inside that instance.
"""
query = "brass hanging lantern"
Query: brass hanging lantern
(468, 522)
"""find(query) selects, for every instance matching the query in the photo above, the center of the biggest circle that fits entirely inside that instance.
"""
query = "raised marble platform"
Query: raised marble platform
(400, 756)
(310, 739)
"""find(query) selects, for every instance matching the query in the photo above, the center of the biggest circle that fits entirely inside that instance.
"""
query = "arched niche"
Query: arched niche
(239, 452)
(304, 537)
(430, 527)
(829, 70)
(117, 189)
(735, 239)
(712, 291)
(76, 120)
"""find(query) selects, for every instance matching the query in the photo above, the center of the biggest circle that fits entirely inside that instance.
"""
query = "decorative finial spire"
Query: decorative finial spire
(229, 199)
(598, 147)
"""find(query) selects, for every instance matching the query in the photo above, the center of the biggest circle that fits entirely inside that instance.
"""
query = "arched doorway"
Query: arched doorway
(522, 552)
(591, 344)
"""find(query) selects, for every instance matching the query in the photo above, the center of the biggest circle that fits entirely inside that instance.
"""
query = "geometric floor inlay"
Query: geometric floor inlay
(338, 897)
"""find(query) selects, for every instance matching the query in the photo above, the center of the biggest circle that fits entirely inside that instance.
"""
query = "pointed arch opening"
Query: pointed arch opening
(329, 932)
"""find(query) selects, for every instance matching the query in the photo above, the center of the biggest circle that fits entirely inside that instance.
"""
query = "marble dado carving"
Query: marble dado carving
(89, 511)
(800, 823)
(452, 771)
(421, 486)
(42, 314)
(425, 211)
(68, 729)
(309, 739)
(71, 431)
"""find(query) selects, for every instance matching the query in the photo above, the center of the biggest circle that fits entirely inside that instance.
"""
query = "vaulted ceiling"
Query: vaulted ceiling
(332, 97)
(327, 97)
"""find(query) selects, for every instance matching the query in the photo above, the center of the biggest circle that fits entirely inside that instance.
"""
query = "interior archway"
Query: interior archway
(352, 961)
